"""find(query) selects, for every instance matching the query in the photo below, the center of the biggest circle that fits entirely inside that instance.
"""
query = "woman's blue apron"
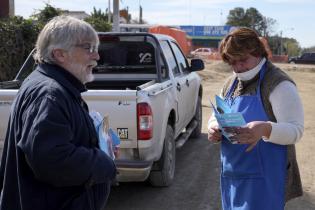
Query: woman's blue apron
(252, 180)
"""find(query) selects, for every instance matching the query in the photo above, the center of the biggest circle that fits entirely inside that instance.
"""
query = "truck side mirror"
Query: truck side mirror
(196, 65)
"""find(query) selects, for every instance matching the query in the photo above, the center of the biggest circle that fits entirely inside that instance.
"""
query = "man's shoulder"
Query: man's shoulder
(40, 85)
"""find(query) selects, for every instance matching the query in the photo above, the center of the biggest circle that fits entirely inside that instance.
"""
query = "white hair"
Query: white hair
(62, 32)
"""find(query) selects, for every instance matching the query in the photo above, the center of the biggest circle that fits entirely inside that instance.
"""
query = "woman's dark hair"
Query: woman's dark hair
(240, 43)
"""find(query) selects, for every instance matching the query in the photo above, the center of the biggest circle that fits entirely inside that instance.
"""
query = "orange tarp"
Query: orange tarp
(179, 35)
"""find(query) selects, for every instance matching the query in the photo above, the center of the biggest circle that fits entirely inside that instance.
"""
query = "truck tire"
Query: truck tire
(163, 175)
(198, 117)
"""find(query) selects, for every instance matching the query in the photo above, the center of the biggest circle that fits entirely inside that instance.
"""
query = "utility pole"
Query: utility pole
(11, 9)
(140, 13)
(140, 16)
(221, 18)
(109, 21)
(116, 16)
(281, 39)
(280, 42)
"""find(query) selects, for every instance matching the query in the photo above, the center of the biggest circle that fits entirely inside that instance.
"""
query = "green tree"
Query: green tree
(255, 20)
(236, 17)
(17, 40)
(274, 43)
(251, 18)
(99, 14)
(99, 20)
(270, 23)
(291, 47)
(46, 14)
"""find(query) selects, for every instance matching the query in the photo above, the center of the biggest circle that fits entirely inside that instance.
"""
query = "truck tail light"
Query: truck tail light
(145, 121)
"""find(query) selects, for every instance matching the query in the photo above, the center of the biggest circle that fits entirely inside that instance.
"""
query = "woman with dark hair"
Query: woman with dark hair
(260, 172)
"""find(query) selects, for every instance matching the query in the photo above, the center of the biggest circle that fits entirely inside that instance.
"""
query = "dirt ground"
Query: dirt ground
(304, 75)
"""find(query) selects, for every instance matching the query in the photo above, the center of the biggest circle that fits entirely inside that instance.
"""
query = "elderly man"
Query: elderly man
(51, 157)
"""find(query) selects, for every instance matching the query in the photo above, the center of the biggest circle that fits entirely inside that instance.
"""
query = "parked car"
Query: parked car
(202, 53)
(305, 58)
(151, 94)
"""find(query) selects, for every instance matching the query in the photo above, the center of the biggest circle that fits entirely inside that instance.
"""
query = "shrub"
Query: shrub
(17, 39)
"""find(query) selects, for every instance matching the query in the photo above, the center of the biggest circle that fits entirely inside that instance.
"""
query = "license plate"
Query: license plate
(122, 133)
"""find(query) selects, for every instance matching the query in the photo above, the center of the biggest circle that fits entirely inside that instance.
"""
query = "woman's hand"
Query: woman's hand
(250, 134)
(214, 134)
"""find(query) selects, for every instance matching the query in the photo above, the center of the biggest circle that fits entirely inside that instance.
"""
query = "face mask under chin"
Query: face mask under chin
(250, 74)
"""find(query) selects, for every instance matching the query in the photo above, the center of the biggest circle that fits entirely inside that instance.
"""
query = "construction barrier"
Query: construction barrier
(279, 58)
(273, 58)
(214, 56)
(179, 35)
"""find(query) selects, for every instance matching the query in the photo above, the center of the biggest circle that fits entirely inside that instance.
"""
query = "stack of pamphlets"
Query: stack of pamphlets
(226, 118)
(108, 140)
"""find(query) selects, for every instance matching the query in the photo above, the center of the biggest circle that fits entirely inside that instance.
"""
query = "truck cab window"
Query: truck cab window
(27, 68)
(164, 70)
(169, 56)
(180, 58)
(132, 57)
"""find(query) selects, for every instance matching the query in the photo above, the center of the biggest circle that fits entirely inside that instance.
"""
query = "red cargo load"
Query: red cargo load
(179, 35)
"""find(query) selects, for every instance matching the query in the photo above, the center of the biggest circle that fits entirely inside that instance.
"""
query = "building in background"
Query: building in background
(124, 16)
(76, 14)
(206, 36)
(197, 36)
(6, 8)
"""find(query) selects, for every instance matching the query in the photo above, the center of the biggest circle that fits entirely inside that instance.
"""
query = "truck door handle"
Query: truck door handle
(178, 87)
(187, 83)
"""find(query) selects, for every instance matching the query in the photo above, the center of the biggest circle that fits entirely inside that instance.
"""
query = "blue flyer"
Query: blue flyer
(226, 118)
(108, 140)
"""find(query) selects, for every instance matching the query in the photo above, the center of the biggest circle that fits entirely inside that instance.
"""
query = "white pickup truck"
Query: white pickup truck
(151, 94)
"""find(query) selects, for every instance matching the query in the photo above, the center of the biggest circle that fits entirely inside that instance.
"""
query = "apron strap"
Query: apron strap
(229, 93)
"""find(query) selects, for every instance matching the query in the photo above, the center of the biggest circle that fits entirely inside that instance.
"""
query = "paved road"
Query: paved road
(196, 185)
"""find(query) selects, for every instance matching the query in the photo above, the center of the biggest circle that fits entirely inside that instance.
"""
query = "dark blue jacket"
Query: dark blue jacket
(51, 159)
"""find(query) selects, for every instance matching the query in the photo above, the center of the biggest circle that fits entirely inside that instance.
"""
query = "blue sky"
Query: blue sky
(295, 18)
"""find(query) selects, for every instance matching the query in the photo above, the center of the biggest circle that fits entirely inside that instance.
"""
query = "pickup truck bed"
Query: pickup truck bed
(119, 85)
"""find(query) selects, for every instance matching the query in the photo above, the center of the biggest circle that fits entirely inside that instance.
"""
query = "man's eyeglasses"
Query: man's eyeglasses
(88, 47)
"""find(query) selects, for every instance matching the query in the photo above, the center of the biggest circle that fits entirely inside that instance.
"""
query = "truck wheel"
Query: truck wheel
(164, 173)
(198, 117)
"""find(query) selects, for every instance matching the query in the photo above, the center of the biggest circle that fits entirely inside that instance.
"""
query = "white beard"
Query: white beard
(89, 78)
(80, 72)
